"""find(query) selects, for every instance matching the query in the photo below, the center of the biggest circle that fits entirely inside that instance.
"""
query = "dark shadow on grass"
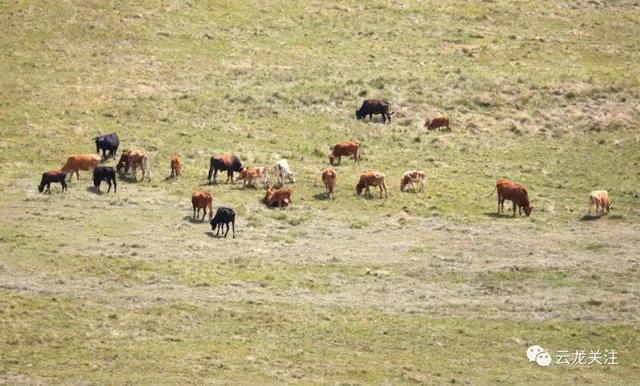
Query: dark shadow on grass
(220, 235)
(194, 220)
(93, 190)
(128, 179)
(589, 217)
(498, 215)
(320, 197)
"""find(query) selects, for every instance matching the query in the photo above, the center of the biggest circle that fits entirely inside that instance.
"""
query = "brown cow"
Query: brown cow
(599, 199)
(439, 121)
(345, 148)
(250, 176)
(52, 176)
(134, 159)
(374, 106)
(368, 179)
(329, 180)
(410, 177)
(202, 200)
(514, 192)
(80, 162)
(176, 166)
(281, 197)
(222, 162)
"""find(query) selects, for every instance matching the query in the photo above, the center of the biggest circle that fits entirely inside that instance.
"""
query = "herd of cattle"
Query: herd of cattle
(280, 197)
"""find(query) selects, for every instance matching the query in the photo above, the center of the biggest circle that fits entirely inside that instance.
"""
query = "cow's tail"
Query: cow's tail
(494, 189)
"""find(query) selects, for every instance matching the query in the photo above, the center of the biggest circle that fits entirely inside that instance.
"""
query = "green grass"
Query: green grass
(126, 288)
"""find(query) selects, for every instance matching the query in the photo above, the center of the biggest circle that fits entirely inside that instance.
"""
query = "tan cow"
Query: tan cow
(599, 199)
(176, 166)
(202, 200)
(368, 179)
(134, 159)
(80, 162)
(410, 177)
(329, 180)
(514, 192)
(439, 121)
(281, 197)
(250, 176)
(345, 148)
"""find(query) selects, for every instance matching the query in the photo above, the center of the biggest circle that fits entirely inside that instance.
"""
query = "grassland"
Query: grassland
(418, 288)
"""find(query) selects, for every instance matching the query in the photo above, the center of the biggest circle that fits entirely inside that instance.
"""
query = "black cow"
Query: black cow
(53, 176)
(107, 142)
(374, 106)
(105, 173)
(224, 216)
(223, 162)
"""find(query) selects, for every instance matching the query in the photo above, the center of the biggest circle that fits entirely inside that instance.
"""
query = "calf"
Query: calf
(599, 199)
(281, 197)
(224, 216)
(134, 159)
(345, 148)
(439, 121)
(368, 179)
(329, 180)
(251, 175)
(223, 162)
(176, 166)
(514, 192)
(202, 200)
(105, 173)
(282, 172)
(52, 176)
(374, 106)
(107, 143)
(410, 177)
(78, 162)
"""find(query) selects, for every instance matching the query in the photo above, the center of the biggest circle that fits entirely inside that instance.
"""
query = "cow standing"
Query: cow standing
(224, 162)
(202, 200)
(134, 159)
(176, 166)
(514, 192)
(78, 162)
(224, 216)
(107, 143)
(107, 174)
(374, 106)
(436, 122)
(368, 179)
(345, 148)
(283, 172)
(599, 199)
(250, 176)
(410, 177)
(329, 181)
(52, 176)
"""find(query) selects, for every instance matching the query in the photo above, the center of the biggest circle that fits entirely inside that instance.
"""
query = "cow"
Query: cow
(105, 173)
(134, 159)
(329, 181)
(222, 162)
(599, 199)
(345, 148)
(176, 166)
(410, 177)
(281, 197)
(224, 216)
(514, 192)
(368, 179)
(52, 176)
(436, 122)
(107, 143)
(374, 106)
(78, 162)
(283, 173)
(202, 200)
(249, 176)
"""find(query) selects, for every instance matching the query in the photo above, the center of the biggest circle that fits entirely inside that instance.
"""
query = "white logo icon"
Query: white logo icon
(537, 354)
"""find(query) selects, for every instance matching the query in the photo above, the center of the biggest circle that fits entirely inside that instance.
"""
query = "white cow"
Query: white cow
(282, 172)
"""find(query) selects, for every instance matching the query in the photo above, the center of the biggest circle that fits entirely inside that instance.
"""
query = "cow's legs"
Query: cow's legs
(233, 227)
(64, 185)
(227, 230)
(514, 209)
(109, 182)
(384, 118)
(194, 211)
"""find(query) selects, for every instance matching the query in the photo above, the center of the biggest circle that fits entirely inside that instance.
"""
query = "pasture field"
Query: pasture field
(430, 288)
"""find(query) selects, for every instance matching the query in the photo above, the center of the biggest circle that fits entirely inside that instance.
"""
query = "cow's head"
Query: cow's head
(359, 188)
(41, 187)
(292, 177)
(360, 114)
(332, 158)
(527, 209)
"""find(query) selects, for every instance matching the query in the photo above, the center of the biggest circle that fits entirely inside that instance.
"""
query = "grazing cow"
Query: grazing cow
(224, 216)
(134, 159)
(374, 106)
(514, 192)
(251, 175)
(368, 179)
(222, 162)
(281, 197)
(439, 121)
(176, 166)
(282, 172)
(52, 176)
(410, 177)
(105, 173)
(329, 180)
(202, 200)
(80, 162)
(599, 199)
(107, 143)
(345, 148)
